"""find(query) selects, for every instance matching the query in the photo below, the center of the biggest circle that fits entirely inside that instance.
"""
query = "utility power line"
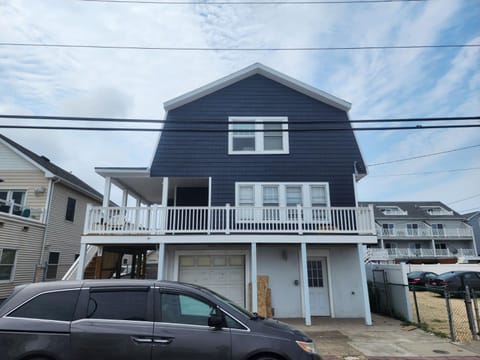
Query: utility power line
(222, 122)
(425, 172)
(246, 49)
(207, 130)
(333, 2)
(424, 156)
(467, 198)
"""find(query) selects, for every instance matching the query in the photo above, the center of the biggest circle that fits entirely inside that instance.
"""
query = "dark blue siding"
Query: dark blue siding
(314, 156)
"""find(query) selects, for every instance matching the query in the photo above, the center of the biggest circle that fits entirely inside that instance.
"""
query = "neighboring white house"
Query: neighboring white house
(42, 212)
(245, 182)
(421, 232)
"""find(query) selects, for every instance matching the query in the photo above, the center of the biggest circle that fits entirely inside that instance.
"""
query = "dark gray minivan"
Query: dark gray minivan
(140, 320)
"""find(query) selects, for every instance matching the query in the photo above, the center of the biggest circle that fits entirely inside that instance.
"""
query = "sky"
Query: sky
(393, 83)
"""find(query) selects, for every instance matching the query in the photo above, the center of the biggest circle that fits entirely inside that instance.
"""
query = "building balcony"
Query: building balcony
(13, 209)
(157, 220)
(425, 233)
(376, 254)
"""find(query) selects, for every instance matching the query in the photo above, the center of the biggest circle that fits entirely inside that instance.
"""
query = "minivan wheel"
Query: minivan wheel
(268, 357)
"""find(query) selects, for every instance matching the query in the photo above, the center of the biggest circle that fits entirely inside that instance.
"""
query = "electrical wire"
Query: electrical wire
(206, 130)
(171, 48)
(425, 172)
(222, 122)
(467, 198)
(333, 2)
(423, 156)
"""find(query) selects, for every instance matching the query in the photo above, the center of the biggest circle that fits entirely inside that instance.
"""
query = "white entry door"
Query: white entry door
(224, 274)
(318, 286)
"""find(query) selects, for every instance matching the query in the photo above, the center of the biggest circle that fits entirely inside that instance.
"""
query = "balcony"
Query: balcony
(156, 220)
(11, 208)
(375, 254)
(425, 232)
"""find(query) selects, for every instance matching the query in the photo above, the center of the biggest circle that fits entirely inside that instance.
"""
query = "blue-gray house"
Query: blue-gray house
(247, 180)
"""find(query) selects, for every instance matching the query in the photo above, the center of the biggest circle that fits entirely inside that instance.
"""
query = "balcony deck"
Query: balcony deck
(156, 220)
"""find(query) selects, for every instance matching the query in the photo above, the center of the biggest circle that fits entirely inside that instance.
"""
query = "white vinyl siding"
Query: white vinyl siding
(25, 237)
(257, 136)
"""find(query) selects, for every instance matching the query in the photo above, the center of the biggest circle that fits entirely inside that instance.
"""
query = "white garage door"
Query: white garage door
(224, 274)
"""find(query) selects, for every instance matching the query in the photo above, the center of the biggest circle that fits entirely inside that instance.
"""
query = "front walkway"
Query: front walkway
(386, 339)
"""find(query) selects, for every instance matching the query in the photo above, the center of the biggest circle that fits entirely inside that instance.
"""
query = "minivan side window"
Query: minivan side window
(184, 309)
(57, 305)
(118, 304)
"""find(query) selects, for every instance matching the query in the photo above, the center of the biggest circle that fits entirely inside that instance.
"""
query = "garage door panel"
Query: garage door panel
(225, 279)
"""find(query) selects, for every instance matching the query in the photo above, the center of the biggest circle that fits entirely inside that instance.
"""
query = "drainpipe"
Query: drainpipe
(51, 186)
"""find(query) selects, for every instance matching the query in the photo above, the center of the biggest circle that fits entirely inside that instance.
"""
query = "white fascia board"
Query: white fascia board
(261, 69)
(47, 173)
(123, 172)
(230, 239)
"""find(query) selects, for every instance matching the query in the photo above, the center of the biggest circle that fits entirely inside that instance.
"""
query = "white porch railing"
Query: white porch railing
(425, 232)
(227, 219)
(391, 254)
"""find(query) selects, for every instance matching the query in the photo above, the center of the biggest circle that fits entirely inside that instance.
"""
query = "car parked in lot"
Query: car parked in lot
(139, 319)
(455, 282)
(419, 279)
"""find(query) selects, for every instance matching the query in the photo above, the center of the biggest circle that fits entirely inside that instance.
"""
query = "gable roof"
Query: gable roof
(263, 70)
(414, 210)
(50, 169)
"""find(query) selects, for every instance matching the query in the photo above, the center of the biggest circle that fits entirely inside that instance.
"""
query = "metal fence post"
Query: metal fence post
(475, 305)
(416, 304)
(446, 294)
(468, 305)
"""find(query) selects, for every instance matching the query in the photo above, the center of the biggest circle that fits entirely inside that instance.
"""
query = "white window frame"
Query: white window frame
(282, 197)
(259, 135)
(388, 229)
(413, 229)
(9, 201)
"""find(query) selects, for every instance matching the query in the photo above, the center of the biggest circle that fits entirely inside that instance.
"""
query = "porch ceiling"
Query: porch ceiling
(137, 181)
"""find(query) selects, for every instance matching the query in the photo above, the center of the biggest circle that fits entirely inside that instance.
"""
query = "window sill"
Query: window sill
(279, 152)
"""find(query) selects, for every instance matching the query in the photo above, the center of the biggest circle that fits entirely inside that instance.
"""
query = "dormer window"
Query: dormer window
(436, 210)
(254, 135)
(392, 210)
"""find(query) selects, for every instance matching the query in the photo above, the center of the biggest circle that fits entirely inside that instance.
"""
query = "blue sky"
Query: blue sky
(378, 83)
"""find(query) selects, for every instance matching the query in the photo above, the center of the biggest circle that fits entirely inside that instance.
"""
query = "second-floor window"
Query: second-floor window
(258, 135)
(70, 213)
(12, 201)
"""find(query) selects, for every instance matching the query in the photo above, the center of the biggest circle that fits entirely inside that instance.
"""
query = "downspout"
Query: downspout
(51, 187)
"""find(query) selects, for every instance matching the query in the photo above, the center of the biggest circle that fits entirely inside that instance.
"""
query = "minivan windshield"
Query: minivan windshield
(229, 302)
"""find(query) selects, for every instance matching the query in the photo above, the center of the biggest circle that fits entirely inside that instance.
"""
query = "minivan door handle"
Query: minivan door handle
(163, 340)
(141, 340)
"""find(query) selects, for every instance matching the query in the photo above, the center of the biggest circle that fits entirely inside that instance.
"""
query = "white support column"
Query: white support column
(306, 294)
(363, 275)
(81, 261)
(254, 276)
(124, 198)
(433, 247)
(165, 192)
(106, 192)
(161, 260)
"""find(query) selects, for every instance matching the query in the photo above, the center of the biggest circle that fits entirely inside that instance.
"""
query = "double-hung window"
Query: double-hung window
(246, 202)
(12, 201)
(294, 198)
(319, 200)
(258, 135)
(388, 229)
(271, 201)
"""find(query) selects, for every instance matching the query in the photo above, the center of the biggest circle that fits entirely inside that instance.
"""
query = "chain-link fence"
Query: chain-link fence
(452, 314)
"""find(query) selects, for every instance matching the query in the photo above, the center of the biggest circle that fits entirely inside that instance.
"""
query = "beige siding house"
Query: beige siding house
(42, 212)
